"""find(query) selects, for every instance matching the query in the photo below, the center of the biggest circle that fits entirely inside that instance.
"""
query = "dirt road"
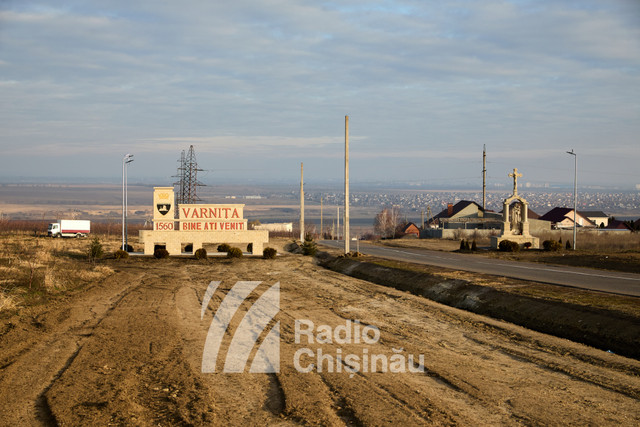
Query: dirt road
(128, 350)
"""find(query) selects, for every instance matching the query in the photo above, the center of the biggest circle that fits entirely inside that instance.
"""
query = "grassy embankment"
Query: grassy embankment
(33, 268)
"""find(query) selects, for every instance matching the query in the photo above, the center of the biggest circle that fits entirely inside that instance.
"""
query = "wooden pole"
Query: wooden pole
(301, 202)
(321, 220)
(484, 177)
(347, 237)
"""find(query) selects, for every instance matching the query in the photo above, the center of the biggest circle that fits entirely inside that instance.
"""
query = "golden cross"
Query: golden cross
(515, 176)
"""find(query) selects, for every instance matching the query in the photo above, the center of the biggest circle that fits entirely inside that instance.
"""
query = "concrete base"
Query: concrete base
(521, 240)
(173, 240)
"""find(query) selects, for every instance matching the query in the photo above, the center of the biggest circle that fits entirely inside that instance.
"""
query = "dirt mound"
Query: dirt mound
(603, 329)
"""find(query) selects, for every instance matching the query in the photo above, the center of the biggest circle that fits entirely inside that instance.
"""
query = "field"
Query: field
(102, 203)
(121, 342)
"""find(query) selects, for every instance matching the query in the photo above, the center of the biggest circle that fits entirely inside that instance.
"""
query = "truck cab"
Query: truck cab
(54, 230)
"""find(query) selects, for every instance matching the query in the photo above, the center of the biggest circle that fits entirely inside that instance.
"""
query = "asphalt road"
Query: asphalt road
(585, 278)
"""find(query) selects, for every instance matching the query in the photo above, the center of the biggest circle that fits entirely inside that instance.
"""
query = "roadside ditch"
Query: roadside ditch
(598, 327)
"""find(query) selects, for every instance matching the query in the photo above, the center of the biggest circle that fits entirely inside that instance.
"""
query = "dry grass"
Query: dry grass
(7, 301)
(597, 241)
(431, 244)
(32, 269)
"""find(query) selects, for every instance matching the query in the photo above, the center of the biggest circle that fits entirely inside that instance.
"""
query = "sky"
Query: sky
(257, 87)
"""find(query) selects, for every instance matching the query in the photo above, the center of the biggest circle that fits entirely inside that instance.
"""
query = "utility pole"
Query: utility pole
(301, 202)
(125, 161)
(126, 211)
(338, 224)
(346, 185)
(321, 220)
(422, 219)
(575, 194)
(484, 177)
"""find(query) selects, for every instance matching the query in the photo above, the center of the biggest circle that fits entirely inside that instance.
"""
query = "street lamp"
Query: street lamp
(575, 193)
(125, 161)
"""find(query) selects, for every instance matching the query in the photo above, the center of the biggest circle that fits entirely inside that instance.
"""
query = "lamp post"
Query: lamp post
(125, 161)
(575, 193)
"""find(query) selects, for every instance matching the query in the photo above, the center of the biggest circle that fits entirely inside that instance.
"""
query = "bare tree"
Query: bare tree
(387, 222)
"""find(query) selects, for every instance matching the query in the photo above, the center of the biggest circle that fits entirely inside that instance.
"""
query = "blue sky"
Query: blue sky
(260, 86)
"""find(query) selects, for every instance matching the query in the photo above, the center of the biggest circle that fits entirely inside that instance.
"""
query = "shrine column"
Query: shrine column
(506, 224)
(525, 219)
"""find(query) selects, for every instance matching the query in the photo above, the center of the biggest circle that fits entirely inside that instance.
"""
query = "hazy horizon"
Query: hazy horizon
(336, 185)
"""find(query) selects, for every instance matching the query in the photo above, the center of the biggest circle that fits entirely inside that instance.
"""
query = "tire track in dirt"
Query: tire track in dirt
(45, 414)
(131, 370)
(457, 319)
(43, 358)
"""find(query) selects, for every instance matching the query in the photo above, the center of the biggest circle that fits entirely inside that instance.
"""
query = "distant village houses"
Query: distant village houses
(410, 229)
(598, 218)
(466, 215)
(469, 215)
(563, 218)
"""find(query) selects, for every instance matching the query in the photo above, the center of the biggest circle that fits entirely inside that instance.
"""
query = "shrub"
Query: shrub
(200, 253)
(466, 246)
(474, 246)
(353, 254)
(462, 245)
(568, 246)
(234, 253)
(120, 254)
(551, 245)
(250, 247)
(527, 245)
(128, 248)
(508, 246)
(95, 249)
(161, 253)
(224, 247)
(309, 246)
(269, 253)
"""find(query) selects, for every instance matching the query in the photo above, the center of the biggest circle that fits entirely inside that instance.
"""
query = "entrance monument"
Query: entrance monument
(197, 224)
(515, 220)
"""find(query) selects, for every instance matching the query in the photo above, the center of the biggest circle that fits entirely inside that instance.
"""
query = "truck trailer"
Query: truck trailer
(69, 228)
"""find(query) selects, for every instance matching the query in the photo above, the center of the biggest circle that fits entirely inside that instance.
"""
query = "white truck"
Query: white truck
(69, 228)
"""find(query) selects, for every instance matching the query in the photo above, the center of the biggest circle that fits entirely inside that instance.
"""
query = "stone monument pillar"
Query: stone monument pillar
(515, 224)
